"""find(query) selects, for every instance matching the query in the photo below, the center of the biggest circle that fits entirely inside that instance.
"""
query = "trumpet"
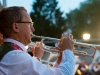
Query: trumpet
(76, 52)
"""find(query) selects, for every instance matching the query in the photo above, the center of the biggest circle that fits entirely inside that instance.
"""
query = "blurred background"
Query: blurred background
(54, 17)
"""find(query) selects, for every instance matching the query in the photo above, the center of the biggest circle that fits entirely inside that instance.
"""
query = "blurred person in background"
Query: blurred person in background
(83, 67)
(96, 68)
(1, 38)
(16, 27)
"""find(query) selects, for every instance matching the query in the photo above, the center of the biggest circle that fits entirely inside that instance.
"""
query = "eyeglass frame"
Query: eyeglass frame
(31, 23)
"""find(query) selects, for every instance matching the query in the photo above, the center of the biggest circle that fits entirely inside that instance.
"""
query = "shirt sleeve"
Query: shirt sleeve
(21, 63)
(68, 63)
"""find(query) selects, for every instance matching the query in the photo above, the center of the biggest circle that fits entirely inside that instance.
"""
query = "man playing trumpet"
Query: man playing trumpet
(16, 28)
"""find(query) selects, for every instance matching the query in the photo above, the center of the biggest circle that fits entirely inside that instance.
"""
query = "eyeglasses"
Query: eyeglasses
(31, 23)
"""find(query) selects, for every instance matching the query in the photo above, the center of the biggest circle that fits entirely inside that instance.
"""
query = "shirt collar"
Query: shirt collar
(17, 43)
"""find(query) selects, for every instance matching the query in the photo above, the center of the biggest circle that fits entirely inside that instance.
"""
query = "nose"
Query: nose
(32, 29)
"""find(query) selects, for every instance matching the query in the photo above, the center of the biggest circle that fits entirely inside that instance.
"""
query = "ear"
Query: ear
(15, 27)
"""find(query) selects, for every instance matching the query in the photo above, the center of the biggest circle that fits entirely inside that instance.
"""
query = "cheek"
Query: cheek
(28, 29)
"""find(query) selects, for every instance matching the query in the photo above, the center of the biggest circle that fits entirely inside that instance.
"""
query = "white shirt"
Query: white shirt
(19, 62)
(95, 68)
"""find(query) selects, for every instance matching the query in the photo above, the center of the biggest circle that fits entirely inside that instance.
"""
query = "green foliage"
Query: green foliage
(47, 18)
(85, 19)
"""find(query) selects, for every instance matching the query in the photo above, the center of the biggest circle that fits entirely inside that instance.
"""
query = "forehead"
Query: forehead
(26, 16)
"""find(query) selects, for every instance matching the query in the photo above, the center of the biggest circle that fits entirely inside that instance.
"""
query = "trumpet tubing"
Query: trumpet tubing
(55, 49)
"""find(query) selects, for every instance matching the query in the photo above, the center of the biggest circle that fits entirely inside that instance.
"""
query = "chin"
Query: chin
(30, 41)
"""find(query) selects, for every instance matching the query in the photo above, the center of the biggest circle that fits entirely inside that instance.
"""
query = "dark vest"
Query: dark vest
(6, 47)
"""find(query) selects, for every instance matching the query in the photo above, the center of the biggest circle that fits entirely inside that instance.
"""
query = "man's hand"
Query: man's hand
(66, 42)
(38, 49)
